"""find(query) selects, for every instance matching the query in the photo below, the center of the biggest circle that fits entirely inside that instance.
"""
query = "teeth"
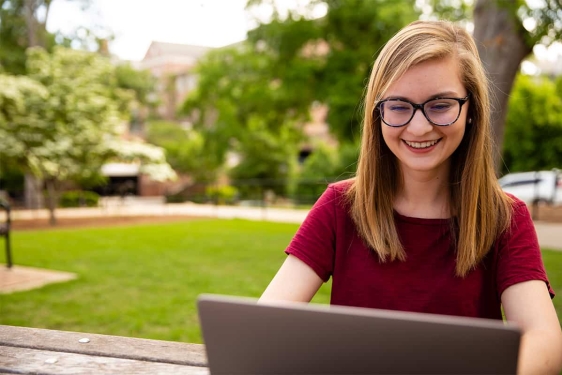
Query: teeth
(421, 144)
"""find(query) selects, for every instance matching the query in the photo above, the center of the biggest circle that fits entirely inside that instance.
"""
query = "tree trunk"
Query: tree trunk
(32, 185)
(30, 7)
(52, 199)
(500, 38)
(33, 192)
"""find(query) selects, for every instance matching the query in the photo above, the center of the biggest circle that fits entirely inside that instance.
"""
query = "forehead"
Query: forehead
(427, 79)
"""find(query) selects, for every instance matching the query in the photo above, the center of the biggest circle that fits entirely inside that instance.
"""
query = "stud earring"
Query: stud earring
(470, 120)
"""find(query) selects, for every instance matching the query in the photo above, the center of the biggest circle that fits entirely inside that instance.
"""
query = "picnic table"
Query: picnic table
(42, 351)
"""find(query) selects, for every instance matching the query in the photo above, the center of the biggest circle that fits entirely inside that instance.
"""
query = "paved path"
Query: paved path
(20, 278)
(550, 235)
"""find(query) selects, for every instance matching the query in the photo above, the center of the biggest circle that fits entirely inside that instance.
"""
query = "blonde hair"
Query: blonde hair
(479, 208)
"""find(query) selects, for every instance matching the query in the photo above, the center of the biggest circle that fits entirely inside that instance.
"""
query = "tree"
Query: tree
(184, 149)
(82, 112)
(506, 31)
(533, 137)
(23, 128)
(23, 25)
(141, 82)
(326, 164)
(260, 92)
(62, 121)
(341, 45)
(238, 94)
(268, 158)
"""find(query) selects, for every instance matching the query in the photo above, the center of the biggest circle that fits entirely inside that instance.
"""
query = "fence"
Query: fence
(254, 192)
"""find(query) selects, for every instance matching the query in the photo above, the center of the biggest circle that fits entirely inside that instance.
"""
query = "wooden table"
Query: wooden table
(43, 351)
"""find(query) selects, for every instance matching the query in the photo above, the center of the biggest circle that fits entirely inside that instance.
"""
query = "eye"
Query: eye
(398, 107)
(440, 105)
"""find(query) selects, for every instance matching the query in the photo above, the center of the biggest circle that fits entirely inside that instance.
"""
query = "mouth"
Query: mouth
(422, 145)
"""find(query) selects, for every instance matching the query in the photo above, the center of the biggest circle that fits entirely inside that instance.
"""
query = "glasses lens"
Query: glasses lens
(442, 111)
(396, 112)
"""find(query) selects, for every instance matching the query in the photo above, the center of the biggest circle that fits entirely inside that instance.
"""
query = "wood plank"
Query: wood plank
(104, 345)
(34, 361)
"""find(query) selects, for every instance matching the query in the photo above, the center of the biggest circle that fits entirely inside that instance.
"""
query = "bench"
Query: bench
(42, 351)
(5, 232)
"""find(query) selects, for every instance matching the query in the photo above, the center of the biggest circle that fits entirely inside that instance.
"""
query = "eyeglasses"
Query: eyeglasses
(438, 111)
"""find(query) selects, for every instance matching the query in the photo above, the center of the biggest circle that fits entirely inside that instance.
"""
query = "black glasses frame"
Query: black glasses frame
(420, 106)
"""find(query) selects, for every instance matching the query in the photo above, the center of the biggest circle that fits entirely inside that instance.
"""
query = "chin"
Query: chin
(425, 167)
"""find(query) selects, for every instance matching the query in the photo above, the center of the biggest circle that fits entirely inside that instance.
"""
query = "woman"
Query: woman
(424, 225)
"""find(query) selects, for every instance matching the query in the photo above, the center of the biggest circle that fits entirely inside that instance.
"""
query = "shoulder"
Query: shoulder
(519, 208)
(521, 228)
(341, 187)
(514, 200)
(338, 191)
(334, 198)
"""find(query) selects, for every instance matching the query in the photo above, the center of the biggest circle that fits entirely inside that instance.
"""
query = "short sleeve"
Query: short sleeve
(519, 253)
(314, 242)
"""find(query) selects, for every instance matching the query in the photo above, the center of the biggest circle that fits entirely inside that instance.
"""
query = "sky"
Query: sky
(214, 23)
(135, 23)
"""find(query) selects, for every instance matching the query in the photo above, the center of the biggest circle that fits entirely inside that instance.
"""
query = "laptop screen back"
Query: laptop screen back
(242, 337)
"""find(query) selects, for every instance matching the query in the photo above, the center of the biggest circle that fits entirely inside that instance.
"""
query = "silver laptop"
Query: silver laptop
(243, 337)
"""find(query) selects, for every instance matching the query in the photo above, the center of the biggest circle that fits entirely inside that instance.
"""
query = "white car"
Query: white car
(534, 187)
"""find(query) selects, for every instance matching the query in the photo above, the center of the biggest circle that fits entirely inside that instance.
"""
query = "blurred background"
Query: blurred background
(242, 102)
(110, 106)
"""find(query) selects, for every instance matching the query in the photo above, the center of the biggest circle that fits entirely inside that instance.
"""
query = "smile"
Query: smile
(422, 144)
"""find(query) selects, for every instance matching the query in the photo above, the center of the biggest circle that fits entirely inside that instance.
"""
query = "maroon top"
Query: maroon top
(328, 242)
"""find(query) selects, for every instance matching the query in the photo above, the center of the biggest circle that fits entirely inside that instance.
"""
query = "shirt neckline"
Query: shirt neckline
(419, 220)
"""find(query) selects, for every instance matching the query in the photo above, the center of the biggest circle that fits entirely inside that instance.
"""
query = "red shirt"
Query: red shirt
(328, 242)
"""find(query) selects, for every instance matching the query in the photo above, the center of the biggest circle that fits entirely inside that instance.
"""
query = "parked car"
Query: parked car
(534, 187)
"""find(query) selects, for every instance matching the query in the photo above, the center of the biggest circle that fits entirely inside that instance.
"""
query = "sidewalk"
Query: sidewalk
(550, 235)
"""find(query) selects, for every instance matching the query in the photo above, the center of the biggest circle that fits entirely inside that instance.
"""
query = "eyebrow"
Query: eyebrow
(443, 94)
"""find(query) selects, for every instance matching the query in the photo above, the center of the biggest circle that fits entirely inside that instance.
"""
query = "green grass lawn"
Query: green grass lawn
(143, 280)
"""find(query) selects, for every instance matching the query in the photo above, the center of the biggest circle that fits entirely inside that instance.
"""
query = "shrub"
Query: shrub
(79, 198)
(225, 194)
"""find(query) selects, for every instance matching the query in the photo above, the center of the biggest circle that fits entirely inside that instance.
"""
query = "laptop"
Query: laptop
(243, 337)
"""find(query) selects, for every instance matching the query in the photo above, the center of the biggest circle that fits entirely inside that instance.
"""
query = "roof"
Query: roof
(159, 49)
(120, 170)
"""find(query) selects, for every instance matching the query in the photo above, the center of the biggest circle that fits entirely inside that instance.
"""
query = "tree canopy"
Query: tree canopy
(62, 120)
(23, 25)
(328, 59)
(237, 96)
(340, 47)
(256, 96)
(533, 138)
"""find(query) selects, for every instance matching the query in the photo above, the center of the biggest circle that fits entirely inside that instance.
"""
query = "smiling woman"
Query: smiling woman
(424, 226)
(424, 140)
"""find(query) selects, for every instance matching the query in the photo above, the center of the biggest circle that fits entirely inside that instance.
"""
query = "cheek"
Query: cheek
(457, 134)
(390, 135)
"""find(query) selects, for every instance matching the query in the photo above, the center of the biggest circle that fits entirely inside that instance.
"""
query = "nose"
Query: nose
(419, 125)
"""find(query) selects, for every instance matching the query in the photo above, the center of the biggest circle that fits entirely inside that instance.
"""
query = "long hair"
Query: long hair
(480, 210)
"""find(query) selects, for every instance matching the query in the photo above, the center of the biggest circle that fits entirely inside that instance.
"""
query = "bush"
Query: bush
(79, 198)
(225, 194)
(195, 193)
(533, 131)
(326, 164)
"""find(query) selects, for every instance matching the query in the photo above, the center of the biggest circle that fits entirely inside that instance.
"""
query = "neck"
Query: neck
(424, 195)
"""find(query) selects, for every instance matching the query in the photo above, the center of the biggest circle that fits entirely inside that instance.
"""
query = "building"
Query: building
(172, 65)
